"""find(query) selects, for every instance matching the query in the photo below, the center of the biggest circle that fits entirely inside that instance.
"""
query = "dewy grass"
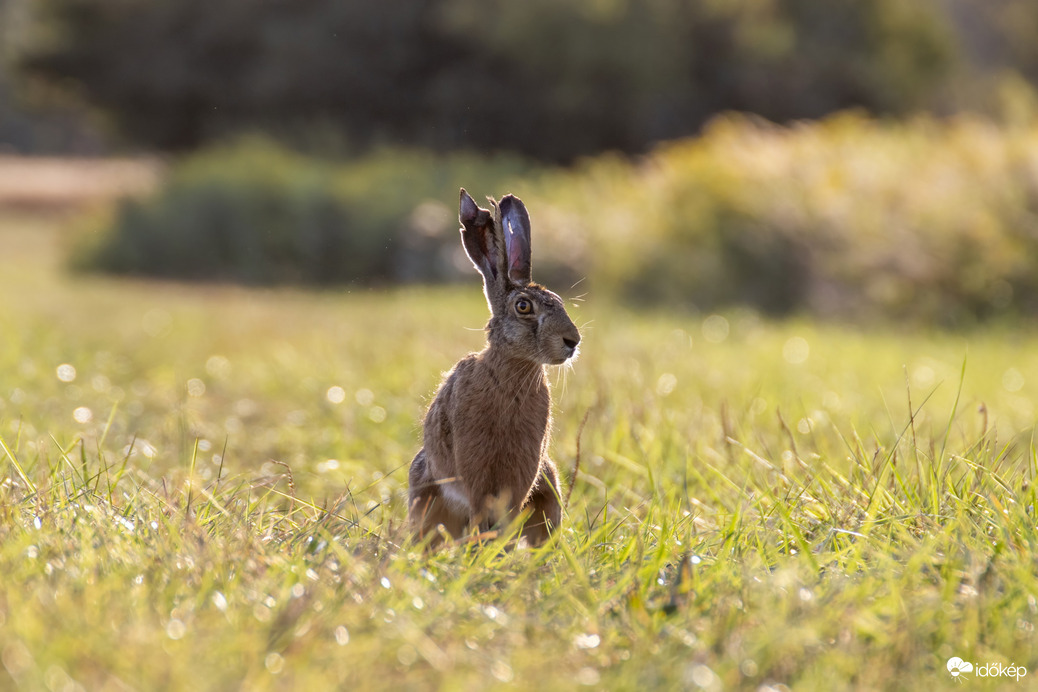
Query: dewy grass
(204, 489)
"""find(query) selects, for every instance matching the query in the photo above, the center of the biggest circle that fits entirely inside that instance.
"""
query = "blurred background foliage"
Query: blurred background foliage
(927, 219)
(322, 142)
(551, 79)
(258, 213)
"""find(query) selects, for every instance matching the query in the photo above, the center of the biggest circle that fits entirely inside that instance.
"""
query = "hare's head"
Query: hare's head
(526, 318)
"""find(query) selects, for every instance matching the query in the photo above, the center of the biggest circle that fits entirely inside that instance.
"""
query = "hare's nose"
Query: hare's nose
(570, 343)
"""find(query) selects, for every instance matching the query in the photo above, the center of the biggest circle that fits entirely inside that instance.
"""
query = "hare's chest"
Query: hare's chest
(527, 418)
(516, 433)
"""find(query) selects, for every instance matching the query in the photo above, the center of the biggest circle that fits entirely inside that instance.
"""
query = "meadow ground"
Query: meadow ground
(203, 488)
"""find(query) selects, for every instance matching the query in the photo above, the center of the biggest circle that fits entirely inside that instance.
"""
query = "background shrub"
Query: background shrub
(257, 213)
(848, 217)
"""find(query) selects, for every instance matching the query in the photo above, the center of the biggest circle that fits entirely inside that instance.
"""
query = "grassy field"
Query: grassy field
(203, 488)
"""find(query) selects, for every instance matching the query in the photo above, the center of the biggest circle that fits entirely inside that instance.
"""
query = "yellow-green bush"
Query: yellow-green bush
(845, 217)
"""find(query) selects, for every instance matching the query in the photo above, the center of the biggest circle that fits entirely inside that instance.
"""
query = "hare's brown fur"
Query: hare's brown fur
(487, 432)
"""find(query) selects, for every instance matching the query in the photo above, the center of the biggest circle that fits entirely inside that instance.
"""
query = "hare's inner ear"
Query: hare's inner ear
(477, 237)
(515, 222)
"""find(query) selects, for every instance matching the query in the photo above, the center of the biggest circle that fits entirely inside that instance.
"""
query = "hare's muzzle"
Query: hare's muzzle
(569, 345)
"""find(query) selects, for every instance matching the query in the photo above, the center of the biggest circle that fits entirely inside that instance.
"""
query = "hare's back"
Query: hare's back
(439, 433)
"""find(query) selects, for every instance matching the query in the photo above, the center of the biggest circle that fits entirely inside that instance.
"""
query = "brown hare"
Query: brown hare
(487, 432)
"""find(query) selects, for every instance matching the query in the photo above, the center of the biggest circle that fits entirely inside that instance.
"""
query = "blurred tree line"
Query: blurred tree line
(39, 115)
(552, 79)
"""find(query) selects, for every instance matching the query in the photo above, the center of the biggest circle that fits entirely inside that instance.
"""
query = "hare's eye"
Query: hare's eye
(523, 306)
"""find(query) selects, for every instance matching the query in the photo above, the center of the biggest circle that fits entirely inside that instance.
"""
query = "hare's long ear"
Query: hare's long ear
(515, 223)
(482, 241)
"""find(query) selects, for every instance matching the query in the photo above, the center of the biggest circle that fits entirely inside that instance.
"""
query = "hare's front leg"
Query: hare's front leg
(427, 507)
(544, 503)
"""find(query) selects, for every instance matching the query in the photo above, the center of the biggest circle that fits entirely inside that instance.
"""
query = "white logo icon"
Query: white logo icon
(956, 666)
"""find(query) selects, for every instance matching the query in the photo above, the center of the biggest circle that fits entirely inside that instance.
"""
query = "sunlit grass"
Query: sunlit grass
(204, 489)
